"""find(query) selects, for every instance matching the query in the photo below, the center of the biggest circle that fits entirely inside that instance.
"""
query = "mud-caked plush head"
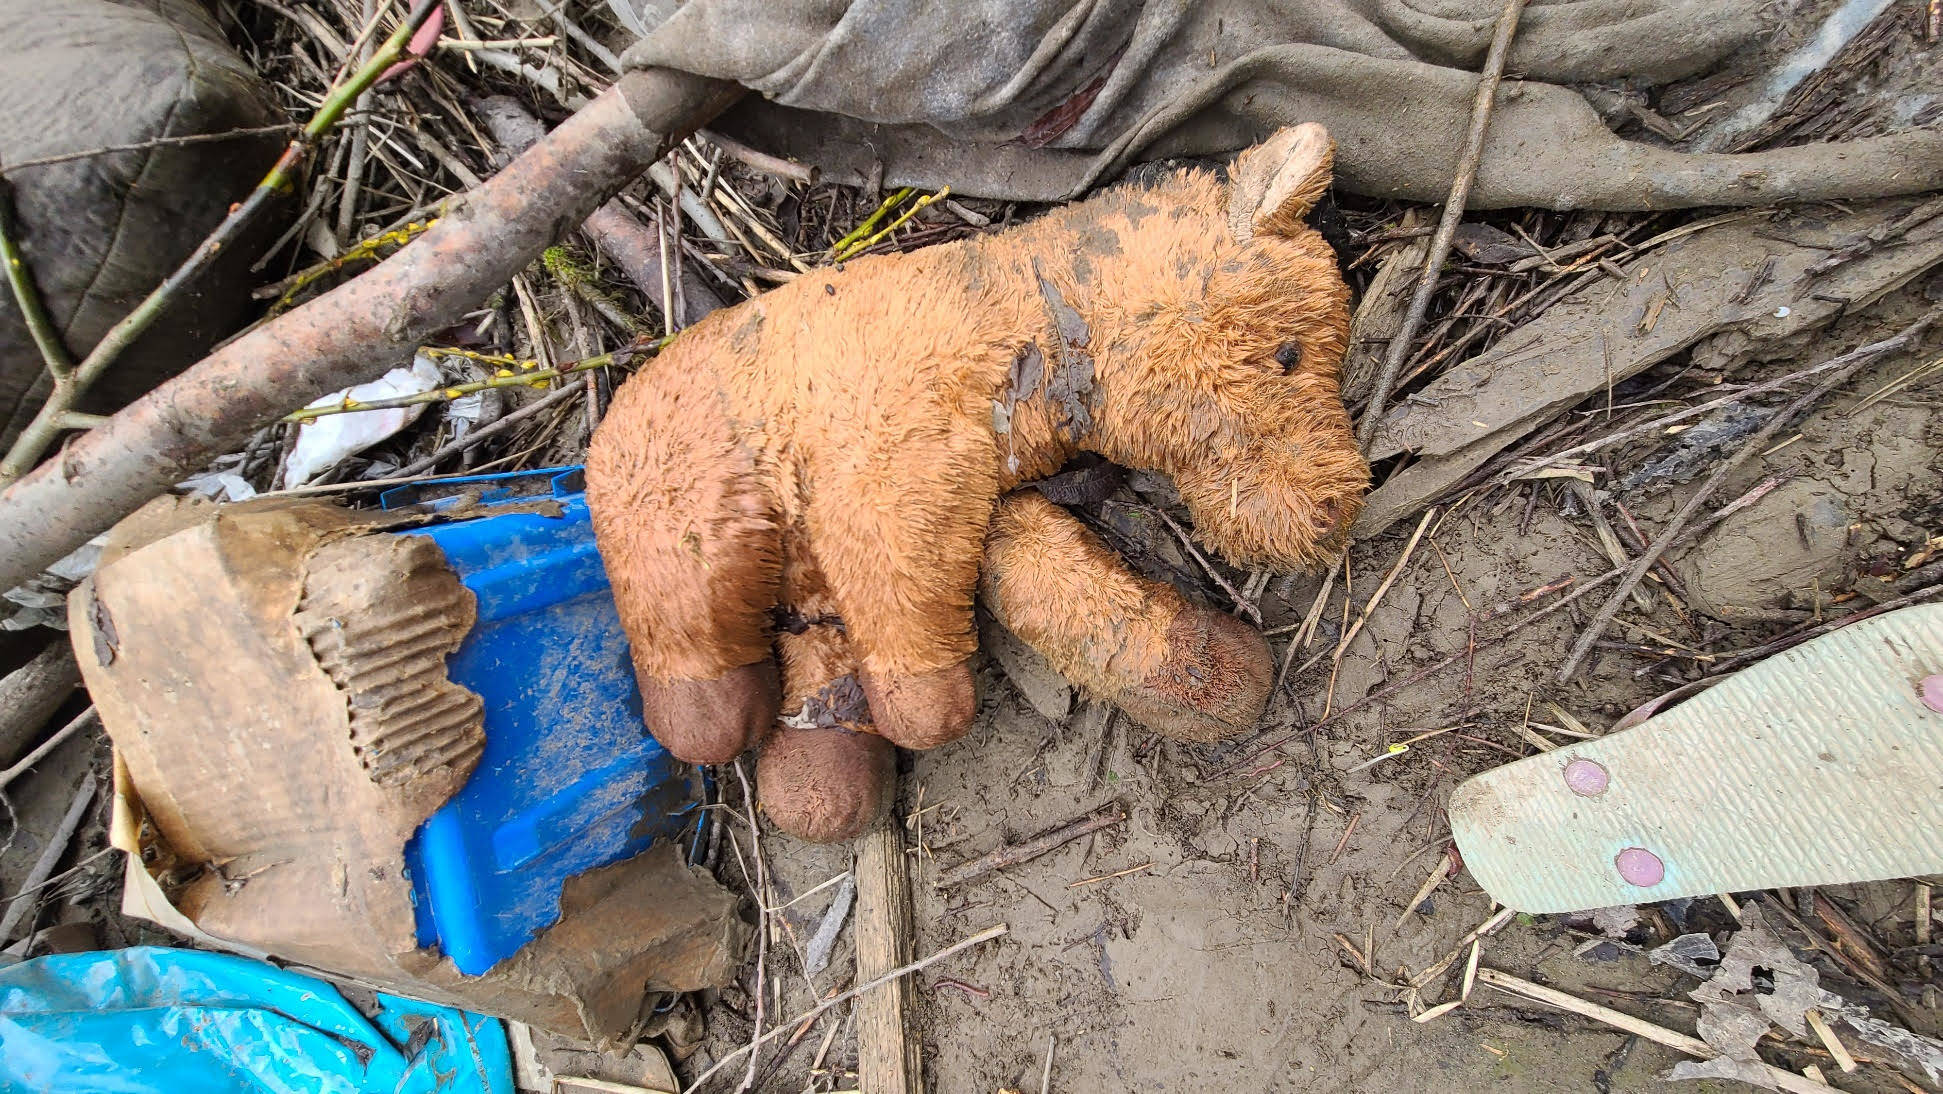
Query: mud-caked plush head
(1234, 322)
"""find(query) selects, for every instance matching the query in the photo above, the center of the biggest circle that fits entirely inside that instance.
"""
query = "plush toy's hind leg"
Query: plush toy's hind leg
(1188, 672)
(825, 774)
(692, 548)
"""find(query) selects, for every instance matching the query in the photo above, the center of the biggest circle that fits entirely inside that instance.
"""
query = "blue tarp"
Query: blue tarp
(153, 1019)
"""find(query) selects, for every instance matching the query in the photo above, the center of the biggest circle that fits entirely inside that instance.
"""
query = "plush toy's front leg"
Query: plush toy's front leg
(901, 559)
(1185, 671)
(693, 550)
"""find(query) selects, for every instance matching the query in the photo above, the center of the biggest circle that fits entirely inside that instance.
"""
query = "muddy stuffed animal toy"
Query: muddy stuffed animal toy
(820, 476)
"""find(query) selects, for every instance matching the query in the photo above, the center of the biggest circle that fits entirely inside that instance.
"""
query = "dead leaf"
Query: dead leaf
(1488, 246)
(1796, 986)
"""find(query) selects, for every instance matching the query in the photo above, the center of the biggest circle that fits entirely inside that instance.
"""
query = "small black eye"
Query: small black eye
(1289, 357)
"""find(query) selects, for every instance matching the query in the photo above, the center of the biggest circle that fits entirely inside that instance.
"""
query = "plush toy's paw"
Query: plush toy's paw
(1213, 684)
(826, 784)
(713, 721)
(923, 710)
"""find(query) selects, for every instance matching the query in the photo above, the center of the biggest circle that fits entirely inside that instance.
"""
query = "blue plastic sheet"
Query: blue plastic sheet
(160, 1020)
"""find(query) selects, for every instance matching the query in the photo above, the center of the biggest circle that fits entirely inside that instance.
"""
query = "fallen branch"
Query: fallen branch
(633, 245)
(1440, 244)
(356, 331)
(71, 384)
(1853, 362)
(1014, 853)
(762, 161)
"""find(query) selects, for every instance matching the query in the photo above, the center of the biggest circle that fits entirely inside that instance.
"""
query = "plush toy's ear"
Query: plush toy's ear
(1273, 185)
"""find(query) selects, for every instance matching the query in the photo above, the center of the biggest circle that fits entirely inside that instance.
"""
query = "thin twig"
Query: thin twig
(143, 146)
(872, 240)
(50, 855)
(1363, 617)
(981, 937)
(1014, 853)
(1692, 1046)
(53, 352)
(85, 718)
(531, 376)
(39, 433)
(1247, 608)
(1524, 469)
(762, 923)
(347, 205)
(761, 161)
(1440, 244)
(551, 399)
(1856, 359)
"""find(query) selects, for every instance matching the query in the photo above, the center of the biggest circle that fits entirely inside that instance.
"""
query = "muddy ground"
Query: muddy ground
(1258, 921)
(1219, 961)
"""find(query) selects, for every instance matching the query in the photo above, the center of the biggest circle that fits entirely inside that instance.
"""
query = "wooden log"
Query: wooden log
(889, 1060)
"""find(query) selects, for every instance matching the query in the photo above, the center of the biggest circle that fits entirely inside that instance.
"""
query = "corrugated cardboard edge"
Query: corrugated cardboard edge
(648, 924)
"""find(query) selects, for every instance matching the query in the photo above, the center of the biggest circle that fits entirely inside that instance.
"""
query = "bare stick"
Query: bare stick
(85, 718)
(1342, 647)
(1014, 853)
(761, 161)
(980, 938)
(888, 1050)
(40, 432)
(1692, 1046)
(1440, 244)
(1754, 445)
(1246, 606)
(354, 332)
(760, 884)
(50, 854)
(500, 425)
(143, 146)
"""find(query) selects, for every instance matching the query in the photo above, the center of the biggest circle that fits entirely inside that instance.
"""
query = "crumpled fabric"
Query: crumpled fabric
(168, 1020)
(1040, 99)
(99, 231)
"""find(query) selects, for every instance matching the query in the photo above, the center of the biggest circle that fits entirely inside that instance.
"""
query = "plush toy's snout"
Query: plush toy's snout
(1285, 505)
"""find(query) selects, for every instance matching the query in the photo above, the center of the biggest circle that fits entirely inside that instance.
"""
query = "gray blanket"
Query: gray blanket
(100, 231)
(1039, 99)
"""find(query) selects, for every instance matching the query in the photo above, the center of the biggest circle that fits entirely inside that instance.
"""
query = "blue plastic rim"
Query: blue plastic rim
(570, 780)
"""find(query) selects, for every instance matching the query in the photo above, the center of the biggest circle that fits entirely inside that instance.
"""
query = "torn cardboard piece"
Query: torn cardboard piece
(281, 735)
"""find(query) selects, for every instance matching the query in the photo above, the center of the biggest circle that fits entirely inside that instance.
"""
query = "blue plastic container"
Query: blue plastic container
(570, 779)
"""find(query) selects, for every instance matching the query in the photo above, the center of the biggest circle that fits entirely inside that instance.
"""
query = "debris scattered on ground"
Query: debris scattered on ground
(1283, 877)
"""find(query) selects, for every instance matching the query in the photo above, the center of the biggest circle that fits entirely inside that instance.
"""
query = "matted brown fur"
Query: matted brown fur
(1186, 671)
(860, 424)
